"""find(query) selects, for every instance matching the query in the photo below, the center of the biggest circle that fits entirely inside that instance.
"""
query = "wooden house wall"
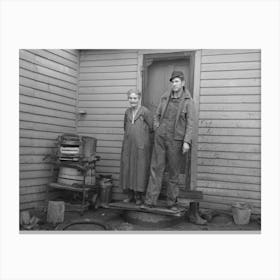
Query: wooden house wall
(229, 140)
(47, 104)
(228, 158)
(104, 79)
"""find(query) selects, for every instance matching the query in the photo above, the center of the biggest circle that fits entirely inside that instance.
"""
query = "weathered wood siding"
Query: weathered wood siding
(104, 79)
(229, 141)
(47, 103)
(228, 163)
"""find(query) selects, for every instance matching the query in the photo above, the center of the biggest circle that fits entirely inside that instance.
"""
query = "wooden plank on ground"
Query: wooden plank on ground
(156, 210)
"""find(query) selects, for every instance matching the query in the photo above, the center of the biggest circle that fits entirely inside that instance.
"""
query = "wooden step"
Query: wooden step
(160, 209)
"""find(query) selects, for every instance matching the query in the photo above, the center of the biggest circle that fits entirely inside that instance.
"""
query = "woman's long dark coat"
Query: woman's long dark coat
(136, 150)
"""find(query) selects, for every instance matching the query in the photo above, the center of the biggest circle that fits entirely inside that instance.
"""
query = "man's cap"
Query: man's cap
(177, 74)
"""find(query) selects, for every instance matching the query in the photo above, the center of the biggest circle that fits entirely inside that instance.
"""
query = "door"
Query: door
(157, 70)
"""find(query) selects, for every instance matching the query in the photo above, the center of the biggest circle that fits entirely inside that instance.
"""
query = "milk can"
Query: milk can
(105, 183)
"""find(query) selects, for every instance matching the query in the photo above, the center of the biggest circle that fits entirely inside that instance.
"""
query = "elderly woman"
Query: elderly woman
(136, 148)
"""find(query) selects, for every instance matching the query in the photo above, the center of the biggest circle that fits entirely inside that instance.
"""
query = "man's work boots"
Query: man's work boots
(194, 216)
(173, 207)
(138, 198)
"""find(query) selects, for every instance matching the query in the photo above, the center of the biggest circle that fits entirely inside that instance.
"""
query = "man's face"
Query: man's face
(177, 84)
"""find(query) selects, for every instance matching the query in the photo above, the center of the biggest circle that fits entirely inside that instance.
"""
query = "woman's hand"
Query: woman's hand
(186, 147)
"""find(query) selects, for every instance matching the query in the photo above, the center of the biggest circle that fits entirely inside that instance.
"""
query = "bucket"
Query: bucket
(241, 213)
(70, 176)
(89, 146)
(55, 212)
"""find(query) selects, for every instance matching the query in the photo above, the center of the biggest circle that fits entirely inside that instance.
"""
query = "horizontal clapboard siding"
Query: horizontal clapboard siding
(229, 137)
(48, 94)
(104, 79)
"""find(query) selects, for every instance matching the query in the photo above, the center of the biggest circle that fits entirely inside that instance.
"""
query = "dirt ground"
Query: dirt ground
(116, 220)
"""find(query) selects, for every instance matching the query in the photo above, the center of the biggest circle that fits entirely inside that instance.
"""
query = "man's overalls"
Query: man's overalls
(166, 151)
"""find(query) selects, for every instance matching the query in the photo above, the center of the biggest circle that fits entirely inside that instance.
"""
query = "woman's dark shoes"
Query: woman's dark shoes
(128, 200)
(147, 206)
(138, 198)
(138, 202)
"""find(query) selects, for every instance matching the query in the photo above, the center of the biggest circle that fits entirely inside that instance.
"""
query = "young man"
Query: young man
(173, 132)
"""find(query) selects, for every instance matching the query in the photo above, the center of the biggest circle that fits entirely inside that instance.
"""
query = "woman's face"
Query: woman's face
(133, 100)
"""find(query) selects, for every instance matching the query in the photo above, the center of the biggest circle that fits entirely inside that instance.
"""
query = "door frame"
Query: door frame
(195, 58)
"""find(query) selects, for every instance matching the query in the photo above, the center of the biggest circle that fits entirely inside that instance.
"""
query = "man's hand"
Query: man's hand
(186, 147)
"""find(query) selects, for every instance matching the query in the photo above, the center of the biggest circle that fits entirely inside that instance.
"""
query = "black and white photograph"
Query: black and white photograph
(135, 139)
(139, 140)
